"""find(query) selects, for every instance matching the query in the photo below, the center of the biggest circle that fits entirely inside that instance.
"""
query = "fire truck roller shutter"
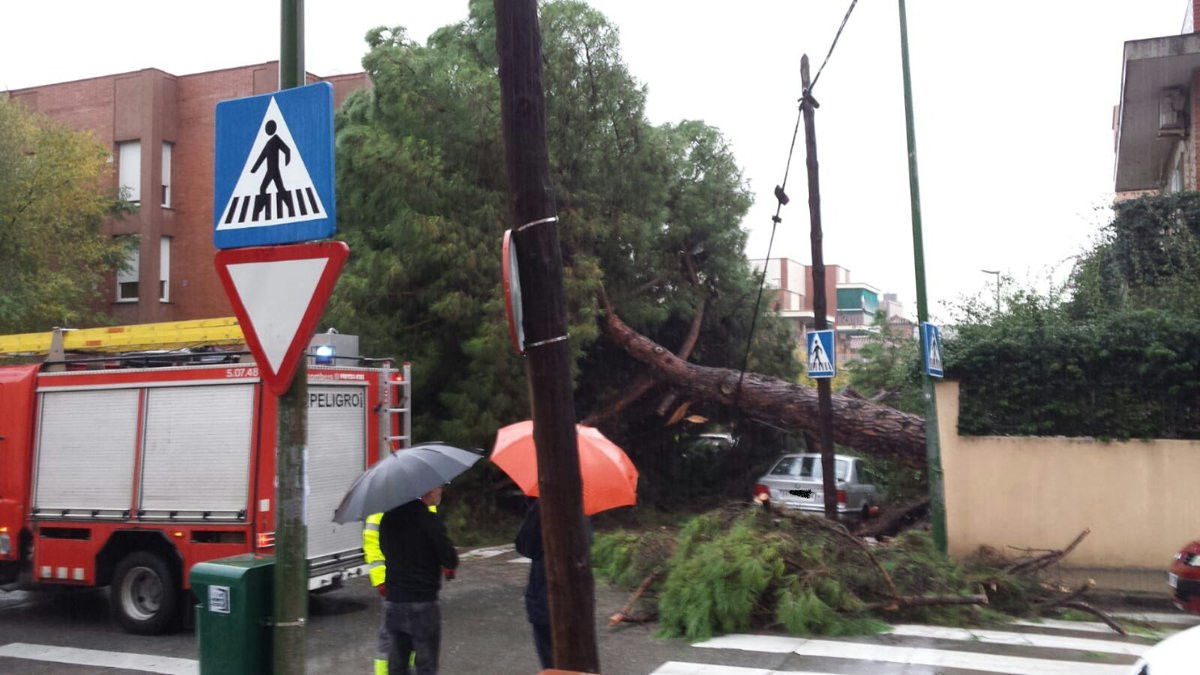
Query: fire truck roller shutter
(197, 451)
(85, 452)
(337, 440)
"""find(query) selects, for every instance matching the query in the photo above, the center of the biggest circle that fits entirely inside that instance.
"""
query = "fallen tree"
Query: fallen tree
(745, 567)
(858, 423)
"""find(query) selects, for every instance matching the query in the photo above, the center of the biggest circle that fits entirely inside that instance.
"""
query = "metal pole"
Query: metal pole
(937, 505)
(548, 350)
(996, 273)
(291, 44)
(820, 305)
(291, 473)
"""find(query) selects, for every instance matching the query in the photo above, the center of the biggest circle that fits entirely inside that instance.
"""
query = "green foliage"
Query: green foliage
(1035, 370)
(890, 362)
(736, 570)
(1149, 256)
(1116, 355)
(651, 214)
(717, 579)
(53, 201)
(626, 558)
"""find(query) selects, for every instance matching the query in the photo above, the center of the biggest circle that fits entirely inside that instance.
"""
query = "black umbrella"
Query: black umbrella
(402, 477)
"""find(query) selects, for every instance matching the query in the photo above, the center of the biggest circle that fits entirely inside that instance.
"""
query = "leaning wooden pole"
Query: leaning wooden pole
(824, 392)
(535, 234)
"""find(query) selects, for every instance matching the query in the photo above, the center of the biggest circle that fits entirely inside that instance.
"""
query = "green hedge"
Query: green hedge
(1129, 374)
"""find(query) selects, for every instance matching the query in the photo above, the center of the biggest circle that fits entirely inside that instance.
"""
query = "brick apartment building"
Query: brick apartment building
(792, 284)
(161, 130)
(850, 307)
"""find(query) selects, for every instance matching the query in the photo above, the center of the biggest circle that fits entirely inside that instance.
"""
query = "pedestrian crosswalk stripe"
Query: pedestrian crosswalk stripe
(1013, 651)
(945, 658)
(1021, 639)
(274, 187)
(774, 644)
(1081, 626)
(685, 668)
(100, 659)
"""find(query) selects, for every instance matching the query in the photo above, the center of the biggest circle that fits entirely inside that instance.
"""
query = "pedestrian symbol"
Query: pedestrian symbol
(820, 354)
(933, 349)
(273, 182)
(274, 188)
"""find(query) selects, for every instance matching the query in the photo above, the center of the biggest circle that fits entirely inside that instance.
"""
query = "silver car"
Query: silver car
(795, 482)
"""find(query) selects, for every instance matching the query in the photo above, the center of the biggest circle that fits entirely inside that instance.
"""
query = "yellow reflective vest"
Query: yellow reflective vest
(371, 551)
(372, 554)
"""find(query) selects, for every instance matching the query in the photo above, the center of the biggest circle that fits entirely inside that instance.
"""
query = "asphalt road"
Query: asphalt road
(484, 631)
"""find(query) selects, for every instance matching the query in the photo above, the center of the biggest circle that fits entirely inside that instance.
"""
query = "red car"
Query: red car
(1184, 578)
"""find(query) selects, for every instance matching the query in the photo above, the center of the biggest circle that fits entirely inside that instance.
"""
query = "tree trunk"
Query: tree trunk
(862, 425)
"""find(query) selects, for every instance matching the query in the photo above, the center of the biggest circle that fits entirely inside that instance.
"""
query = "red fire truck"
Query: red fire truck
(127, 472)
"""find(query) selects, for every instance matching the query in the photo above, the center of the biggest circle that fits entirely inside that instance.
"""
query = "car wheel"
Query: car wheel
(144, 594)
(866, 511)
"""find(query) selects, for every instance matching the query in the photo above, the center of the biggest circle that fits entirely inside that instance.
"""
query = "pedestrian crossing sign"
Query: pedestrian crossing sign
(273, 163)
(932, 344)
(820, 354)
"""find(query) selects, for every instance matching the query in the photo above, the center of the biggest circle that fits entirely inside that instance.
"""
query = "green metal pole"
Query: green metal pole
(937, 503)
(291, 44)
(291, 473)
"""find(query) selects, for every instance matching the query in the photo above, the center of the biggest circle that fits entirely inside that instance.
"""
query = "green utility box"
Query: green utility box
(233, 619)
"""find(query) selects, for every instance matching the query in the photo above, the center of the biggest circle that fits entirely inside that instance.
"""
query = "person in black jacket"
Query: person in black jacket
(537, 604)
(417, 553)
(537, 601)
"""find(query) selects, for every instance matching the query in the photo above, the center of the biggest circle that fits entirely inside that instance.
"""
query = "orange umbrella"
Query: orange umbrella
(609, 477)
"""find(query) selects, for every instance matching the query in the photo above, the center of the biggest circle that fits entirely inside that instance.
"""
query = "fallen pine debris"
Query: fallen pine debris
(745, 567)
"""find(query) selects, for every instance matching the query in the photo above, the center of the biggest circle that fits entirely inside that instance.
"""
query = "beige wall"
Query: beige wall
(1141, 499)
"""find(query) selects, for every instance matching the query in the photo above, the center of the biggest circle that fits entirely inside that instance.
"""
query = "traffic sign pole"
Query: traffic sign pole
(291, 535)
(937, 499)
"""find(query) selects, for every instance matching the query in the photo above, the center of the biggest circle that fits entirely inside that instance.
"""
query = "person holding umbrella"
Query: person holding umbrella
(417, 553)
(609, 481)
(413, 541)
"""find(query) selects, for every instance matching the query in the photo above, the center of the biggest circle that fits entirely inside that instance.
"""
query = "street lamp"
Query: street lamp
(997, 274)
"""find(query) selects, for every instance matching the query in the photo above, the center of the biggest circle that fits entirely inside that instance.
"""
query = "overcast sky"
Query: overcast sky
(1013, 105)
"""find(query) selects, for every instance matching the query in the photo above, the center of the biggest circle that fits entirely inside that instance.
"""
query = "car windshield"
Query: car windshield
(808, 467)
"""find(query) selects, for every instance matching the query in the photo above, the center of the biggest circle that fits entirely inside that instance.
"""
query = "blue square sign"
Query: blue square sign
(820, 354)
(274, 168)
(932, 346)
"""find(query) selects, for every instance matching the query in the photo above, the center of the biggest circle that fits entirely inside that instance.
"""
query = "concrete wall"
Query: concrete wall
(1140, 498)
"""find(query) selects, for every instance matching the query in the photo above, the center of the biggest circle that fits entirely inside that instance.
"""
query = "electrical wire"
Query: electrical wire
(782, 199)
(834, 44)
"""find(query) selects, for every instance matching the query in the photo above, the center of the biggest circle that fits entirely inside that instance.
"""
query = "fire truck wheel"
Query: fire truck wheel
(144, 594)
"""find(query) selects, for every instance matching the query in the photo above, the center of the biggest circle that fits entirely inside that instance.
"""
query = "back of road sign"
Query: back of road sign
(274, 170)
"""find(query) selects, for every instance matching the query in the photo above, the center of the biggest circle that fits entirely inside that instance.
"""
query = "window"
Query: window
(166, 175)
(809, 467)
(127, 278)
(164, 269)
(129, 169)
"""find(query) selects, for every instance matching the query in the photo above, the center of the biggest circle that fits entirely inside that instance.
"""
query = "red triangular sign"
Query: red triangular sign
(278, 294)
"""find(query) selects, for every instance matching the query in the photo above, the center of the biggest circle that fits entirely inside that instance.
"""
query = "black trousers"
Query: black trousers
(414, 626)
(541, 640)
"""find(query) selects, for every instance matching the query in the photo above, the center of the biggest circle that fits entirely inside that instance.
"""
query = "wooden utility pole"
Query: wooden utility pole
(535, 235)
(824, 394)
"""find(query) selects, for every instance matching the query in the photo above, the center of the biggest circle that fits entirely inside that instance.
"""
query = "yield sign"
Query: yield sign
(278, 294)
